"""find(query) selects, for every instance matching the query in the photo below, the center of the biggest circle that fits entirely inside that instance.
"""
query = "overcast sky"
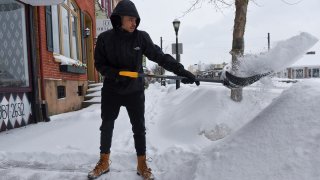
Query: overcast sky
(206, 33)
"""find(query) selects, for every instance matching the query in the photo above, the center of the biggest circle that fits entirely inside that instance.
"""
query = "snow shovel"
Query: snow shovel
(227, 79)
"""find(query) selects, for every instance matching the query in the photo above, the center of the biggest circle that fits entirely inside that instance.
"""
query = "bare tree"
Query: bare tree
(218, 4)
(157, 70)
(238, 31)
(238, 41)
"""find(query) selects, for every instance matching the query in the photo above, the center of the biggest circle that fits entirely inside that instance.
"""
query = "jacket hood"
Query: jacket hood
(124, 8)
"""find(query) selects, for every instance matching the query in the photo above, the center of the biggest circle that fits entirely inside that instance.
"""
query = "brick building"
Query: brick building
(46, 58)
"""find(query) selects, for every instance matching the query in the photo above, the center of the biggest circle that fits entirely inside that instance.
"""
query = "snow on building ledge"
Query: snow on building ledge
(64, 60)
(42, 2)
(68, 61)
(70, 65)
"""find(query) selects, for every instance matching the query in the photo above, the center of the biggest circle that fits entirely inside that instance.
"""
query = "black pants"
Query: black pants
(110, 107)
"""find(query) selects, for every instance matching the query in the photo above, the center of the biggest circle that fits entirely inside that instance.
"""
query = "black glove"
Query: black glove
(189, 77)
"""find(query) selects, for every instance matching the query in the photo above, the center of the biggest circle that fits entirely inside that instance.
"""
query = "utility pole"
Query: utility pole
(268, 41)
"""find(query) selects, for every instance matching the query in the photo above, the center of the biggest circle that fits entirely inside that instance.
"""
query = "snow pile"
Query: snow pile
(282, 142)
(194, 133)
(284, 54)
(185, 113)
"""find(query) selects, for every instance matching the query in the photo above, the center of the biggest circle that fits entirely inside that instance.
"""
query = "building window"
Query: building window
(13, 46)
(66, 29)
(309, 73)
(80, 90)
(74, 36)
(299, 73)
(55, 29)
(65, 32)
(49, 28)
(315, 72)
(61, 91)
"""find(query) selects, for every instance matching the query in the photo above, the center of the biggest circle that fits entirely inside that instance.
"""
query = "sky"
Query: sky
(206, 33)
(273, 133)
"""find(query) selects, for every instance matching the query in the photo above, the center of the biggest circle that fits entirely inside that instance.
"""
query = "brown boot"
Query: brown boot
(143, 170)
(101, 167)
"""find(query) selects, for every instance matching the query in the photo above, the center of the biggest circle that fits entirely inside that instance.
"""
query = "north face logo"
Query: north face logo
(137, 48)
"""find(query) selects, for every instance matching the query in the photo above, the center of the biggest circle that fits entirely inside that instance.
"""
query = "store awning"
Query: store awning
(42, 2)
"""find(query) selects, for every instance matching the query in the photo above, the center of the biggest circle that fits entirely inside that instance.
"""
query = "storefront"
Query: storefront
(15, 82)
(19, 96)
(46, 57)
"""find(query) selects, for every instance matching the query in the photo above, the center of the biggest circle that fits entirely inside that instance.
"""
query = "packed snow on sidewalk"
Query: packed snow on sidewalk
(193, 133)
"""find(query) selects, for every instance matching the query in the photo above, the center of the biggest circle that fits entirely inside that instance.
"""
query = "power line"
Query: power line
(286, 2)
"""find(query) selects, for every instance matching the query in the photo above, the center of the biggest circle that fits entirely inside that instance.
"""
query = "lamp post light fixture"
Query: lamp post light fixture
(87, 32)
(176, 25)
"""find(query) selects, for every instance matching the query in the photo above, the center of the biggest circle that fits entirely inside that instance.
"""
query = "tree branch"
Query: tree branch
(193, 6)
(286, 2)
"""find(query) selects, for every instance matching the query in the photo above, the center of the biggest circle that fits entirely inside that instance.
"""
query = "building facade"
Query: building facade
(306, 67)
(66, 33)
(300, 72)
(46, 58)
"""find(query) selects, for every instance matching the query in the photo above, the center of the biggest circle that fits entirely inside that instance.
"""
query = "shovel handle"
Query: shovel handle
(129, 74)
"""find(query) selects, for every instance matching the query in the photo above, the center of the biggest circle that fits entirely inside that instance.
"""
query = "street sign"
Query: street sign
(180, 48)
(103, 25)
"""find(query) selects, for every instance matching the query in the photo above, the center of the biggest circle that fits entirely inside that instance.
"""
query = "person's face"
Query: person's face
(129, 23)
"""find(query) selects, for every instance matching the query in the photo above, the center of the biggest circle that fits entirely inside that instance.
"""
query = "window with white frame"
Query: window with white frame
(55, 29)
(66, 29)
(299, 73)
(315, 72)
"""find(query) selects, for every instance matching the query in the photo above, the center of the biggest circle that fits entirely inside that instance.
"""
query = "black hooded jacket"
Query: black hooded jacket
(117, 49)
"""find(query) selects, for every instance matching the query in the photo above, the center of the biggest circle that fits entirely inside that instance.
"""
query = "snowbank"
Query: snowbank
(282, 142)
(194, 133)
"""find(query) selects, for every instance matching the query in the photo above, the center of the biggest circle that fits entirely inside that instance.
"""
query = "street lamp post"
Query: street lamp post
(176, 24)
(162, 80)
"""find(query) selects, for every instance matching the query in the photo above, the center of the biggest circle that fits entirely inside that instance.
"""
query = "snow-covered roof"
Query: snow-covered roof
(309, 59)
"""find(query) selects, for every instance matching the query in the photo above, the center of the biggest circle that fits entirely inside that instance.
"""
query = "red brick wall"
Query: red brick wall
(50, 67)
